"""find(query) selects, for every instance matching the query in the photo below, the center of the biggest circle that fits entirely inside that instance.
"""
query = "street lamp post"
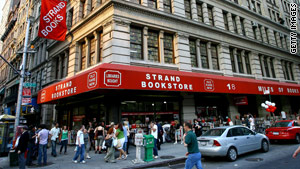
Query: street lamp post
(22, 75)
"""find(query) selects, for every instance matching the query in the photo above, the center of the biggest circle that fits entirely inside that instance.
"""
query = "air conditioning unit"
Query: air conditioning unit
(254, 24)
(281, 35)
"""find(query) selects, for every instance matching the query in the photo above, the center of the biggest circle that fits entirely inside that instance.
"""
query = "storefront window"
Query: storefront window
(142, 111)
(153, 46)
(168, 48)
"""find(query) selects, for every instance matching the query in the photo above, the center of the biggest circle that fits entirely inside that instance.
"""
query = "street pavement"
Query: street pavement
(279, 157)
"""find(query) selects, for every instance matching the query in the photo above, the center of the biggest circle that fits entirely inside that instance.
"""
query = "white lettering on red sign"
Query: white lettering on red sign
(92, 80)
(112, 78)
(265, 88)
(209, 85)
(64, 89)
(26, 92)
(43, 96)
(291, 90)
(158, 81)
(26, 100)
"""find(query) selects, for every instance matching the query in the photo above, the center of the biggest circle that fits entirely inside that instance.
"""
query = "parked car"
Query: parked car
(284, 130)
(231, 141)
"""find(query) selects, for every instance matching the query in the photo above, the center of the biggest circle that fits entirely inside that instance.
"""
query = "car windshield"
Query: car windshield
(283, 124)
(214, 132)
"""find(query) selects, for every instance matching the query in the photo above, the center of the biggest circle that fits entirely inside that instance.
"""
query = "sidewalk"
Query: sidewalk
(168, 152)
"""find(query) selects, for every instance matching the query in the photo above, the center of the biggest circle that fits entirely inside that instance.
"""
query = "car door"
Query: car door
(251, 139)
(236, 138)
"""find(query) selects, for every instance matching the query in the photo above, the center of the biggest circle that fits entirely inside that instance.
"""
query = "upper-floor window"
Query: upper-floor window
(136, 1)
(272, 67)
(261, 33)
(83, 8)
(167, 6)
(225, 20)
(210, 16)
(240, 61)
(92, 59)
(214, 56)
(200, 12)
(275, 36)
(193, 53)
(232, 59)
(152, 4)
(243, 26)
(234, 24)
(266, 66)
(168, 48)
(258, 8)
(267, 34)
(253, 6)
(83, 56)
(204, 56)
(187, 8)
(254, 28)
(136, 42)
(247, 62)
(153, 46)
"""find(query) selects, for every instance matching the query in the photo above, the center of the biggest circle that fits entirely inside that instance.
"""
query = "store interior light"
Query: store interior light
(152, 104)
(165, 102)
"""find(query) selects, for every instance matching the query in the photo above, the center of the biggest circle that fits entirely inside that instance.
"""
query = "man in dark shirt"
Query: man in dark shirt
(31, 144)
(190, 141)
(22, 146)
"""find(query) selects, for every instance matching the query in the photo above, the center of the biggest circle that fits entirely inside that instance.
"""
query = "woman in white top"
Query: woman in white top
(252, 123)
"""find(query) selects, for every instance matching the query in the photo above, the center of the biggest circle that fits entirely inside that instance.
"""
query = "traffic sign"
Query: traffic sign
(26, 84)
(26, 92)
(26, 100)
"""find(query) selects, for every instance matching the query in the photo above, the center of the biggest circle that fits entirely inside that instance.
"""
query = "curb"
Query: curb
(156, 164)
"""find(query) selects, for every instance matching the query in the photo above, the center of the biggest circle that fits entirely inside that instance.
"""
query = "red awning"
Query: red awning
(116, 76)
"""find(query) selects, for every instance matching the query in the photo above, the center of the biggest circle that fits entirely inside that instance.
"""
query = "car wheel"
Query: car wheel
(265, 146)
(297, 139)
(232, 154)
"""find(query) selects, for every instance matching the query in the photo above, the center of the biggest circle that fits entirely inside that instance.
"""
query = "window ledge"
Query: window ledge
(244, 75)
(290, 81)
(153, 64)
(271, 79)
(201, 70)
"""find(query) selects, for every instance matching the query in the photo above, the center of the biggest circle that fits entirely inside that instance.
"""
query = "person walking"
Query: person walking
(178, 133)
(160, 135)
(99, 135)
(64, 140)
(110, 155)
(91, 132)
(193, 153)
(80, 147)
(31, 145)
(54, 132)
(154, 133)
(43, 136)
(126, 131)
(197, 127)
(126, 124)
(21, 148)
(87, 144)
(121, 140)
(252, 123)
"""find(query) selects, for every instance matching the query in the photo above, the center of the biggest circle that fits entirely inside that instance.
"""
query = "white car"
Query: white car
(231, 141)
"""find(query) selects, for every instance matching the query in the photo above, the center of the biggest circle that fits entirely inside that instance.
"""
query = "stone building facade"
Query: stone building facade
(236, 38)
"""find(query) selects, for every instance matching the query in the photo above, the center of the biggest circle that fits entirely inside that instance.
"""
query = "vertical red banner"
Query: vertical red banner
(53, 20)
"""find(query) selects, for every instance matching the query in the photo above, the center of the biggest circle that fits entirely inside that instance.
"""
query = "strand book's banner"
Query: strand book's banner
(53, 20)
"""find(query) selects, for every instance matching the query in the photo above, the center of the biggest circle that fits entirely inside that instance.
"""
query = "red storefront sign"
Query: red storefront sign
(26, 92)
(241, 100)
(53, 20)
(26, 100)
(115, 76)
(78, 118)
